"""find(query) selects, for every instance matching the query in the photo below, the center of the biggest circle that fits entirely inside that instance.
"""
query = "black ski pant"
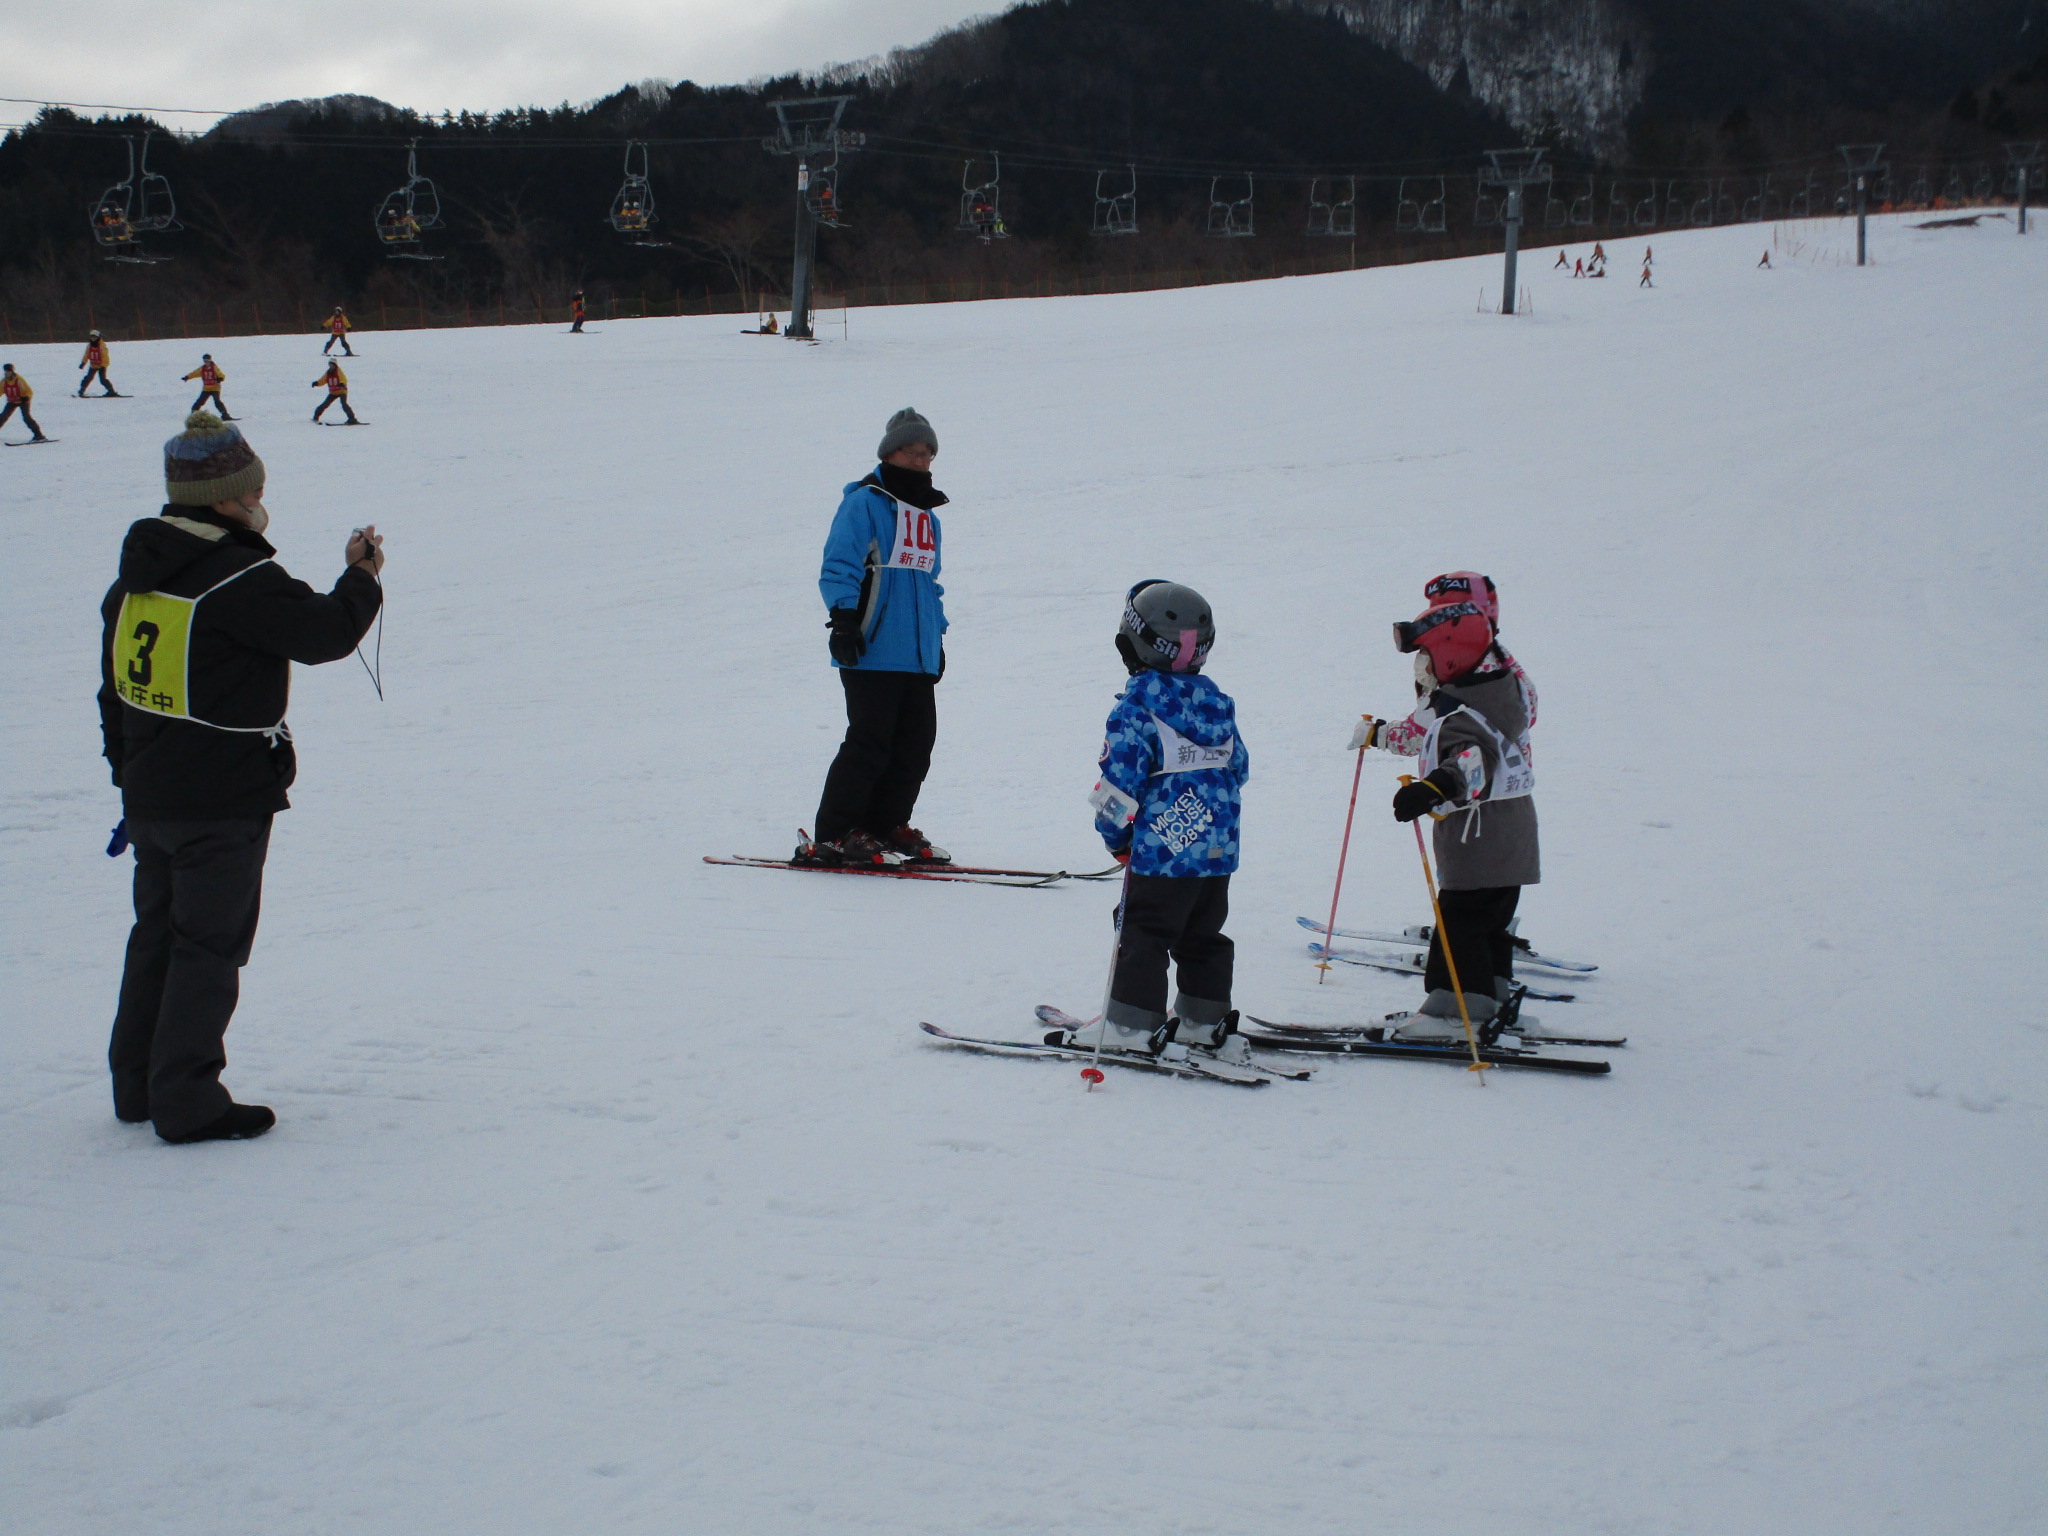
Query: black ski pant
(95, 373)
(1476, 924)
(198, 886)
(213, 395)
(1178, 918)
(341, 400)
(578, 326)
(26, 419)
(346, 349)
(892, 719)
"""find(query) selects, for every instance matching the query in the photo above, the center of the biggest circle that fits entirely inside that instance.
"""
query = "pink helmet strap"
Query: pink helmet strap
(1184, 656)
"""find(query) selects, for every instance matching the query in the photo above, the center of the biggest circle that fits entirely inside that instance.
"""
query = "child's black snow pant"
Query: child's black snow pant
(213, 395)
(1180, 918)
(1476, 923)
(27, 420)
(341, 400)
(91, 374)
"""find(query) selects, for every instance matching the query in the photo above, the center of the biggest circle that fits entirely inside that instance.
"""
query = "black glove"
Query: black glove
(848, 644)
(1423, 796)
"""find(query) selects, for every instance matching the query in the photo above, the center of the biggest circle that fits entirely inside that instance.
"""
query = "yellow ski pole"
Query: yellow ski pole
(1450, 960)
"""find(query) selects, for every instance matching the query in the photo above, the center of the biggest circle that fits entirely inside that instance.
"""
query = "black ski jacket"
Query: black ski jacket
(244, 638)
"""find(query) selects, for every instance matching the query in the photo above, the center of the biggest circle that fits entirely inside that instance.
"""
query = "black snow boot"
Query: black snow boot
(240, 1123)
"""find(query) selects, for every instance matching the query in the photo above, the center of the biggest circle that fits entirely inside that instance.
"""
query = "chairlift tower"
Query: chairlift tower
(1863, 162)
(1515, 170)
(807, 128)
(2025, 173)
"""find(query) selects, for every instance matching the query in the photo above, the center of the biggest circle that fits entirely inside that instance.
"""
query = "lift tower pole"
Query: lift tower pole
(808, 129)
(2026, 166)
(1863, 161)
(1514, 169)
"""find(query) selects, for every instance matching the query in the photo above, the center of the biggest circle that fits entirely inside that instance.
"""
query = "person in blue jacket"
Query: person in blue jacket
(886, 611)
(1167, 807)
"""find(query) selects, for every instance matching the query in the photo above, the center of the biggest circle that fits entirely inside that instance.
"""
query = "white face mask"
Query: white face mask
(259, 515)
(1425, 675)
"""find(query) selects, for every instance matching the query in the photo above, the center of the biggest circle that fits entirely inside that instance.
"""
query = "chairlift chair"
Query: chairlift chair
(1116, 213)
(407, 214)
(1421, 215)
(632, 213)
(1486, 210)
(1644, 214)
(1922, 193)
(821, 190)
(1556, 210)
(1230, 218)
(125, 210)
(1338, 214)
(1800, 204)
(1702, 213)
(981, 202)
(1580, 214)
(1986, 185)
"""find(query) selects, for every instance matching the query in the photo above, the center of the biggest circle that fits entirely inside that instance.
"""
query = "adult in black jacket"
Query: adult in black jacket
(200, 630)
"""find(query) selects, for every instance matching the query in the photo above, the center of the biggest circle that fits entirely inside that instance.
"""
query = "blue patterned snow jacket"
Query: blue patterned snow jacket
(882, 557)
(1172, 765)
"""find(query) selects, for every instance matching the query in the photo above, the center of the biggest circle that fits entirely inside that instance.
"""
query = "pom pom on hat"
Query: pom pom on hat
(209, 461)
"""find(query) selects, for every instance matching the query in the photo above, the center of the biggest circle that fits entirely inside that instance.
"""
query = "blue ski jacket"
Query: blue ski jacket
(882, 557)
(1172, 766)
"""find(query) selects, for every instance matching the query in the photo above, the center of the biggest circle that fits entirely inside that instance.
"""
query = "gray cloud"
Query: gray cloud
(433, 54)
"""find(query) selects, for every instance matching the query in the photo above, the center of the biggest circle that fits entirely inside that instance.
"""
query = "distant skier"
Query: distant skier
(1765, 264)
(95, 365)
(1563, 260)
(576, 313)
(1597, 263)
(1474, 759)
(1645, 282)
(1578, 269)
(15, 390)
(1166, 806)
(887, 615)
(210, 377)
(198, 635)
(337, 390)
(337, 330)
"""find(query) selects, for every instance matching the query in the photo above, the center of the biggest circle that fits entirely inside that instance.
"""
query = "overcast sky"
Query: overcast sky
(429, 54)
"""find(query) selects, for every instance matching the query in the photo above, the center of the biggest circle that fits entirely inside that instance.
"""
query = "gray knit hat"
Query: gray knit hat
(906, 427)
(209, 461)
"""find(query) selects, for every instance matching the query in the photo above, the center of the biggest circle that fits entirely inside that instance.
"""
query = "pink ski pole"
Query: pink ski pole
(1343, 853)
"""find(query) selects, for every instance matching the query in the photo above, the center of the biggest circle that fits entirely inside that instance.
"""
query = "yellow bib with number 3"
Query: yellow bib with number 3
(152, 652)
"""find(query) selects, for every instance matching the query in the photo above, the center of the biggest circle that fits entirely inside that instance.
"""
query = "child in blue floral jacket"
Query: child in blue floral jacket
(1167, 807)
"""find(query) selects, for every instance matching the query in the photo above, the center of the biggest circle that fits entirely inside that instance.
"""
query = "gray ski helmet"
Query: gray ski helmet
(1167, 627)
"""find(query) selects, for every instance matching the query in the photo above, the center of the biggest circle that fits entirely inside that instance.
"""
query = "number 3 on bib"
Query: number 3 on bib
(917, 539)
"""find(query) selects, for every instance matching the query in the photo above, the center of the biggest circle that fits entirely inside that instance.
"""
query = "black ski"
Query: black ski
(34, 442)
(1376, 1031)
(1058, 1018)
(1213, 1072)
(1493, 1056)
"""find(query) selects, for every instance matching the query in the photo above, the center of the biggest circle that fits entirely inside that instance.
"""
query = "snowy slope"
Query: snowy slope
(614, 1191)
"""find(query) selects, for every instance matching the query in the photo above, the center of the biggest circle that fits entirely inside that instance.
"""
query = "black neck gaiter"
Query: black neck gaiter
(911, 485)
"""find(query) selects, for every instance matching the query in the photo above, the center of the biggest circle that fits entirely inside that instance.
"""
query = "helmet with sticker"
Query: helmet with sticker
(1455, 635)
(1464, 587)
(1166, 626)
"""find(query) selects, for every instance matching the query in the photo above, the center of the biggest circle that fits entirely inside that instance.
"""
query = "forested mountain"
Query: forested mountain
(277, 205)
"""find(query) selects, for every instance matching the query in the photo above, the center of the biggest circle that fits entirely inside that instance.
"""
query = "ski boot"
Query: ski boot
(1214, 1042)
(1437, 1021)
(913, 847)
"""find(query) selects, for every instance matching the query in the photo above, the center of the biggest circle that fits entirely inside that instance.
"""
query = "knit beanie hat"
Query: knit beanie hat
(208, 462)
(906, 427)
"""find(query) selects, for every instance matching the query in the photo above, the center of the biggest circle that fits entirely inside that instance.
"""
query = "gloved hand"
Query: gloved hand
(1368, 733)
(1123, 857)
(848, 643)
(1424, 795)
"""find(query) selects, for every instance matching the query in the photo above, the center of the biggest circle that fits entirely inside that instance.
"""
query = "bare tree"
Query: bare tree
(737, 241)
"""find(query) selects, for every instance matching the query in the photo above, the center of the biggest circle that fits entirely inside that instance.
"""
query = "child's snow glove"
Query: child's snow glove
(848, 644)
(1367, 733)
(1425, 795)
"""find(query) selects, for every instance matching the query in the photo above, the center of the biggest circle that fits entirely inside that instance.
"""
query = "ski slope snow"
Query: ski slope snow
(615, 1191)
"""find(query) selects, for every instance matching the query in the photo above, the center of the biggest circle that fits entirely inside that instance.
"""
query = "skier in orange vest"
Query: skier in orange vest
(337, 330)
(576, 311)
(95, 365)
(210, 377)
(337, 389)
(14, 389)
